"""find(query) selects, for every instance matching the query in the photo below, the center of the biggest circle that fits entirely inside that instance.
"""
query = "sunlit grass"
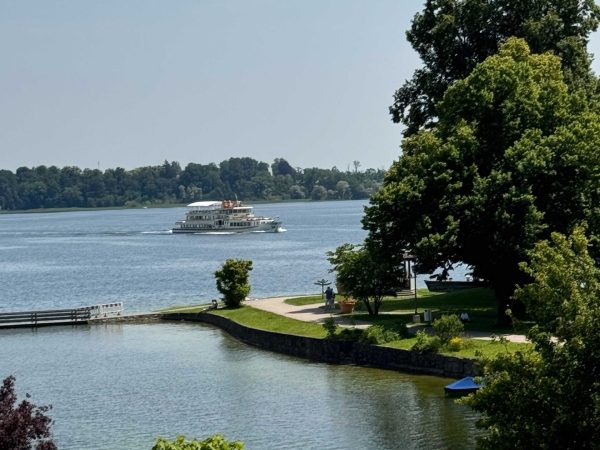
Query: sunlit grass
(264, 320)
(308, 300)
(184, 308)
(471, 348)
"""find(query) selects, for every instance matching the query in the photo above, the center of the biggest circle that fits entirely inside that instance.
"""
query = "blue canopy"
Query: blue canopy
(463, 386)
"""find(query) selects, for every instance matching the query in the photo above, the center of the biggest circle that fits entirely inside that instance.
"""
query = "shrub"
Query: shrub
(232, 281)
(330, 327)
(216, 442)
(378, 334)
(350, 334)
(426, 343)
(455, 344)
(447, 327)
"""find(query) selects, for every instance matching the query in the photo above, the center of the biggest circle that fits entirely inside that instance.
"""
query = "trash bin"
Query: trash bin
(427, 315)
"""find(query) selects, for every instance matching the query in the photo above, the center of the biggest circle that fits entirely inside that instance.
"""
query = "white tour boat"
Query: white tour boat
(226, 216)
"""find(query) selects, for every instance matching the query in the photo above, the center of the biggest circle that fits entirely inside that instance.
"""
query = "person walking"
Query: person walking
(329, 297)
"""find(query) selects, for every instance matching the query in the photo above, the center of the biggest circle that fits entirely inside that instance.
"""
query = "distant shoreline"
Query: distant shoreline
(159, 205)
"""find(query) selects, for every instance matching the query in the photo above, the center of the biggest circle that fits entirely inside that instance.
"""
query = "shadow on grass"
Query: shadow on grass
(479, 303)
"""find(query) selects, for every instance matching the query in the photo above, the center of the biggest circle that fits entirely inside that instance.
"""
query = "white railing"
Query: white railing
(105, 310)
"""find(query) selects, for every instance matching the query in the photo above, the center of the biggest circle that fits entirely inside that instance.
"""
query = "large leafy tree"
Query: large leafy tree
(366, 274)
(512, 158)
(23, 426)
(453, 36)
(549, 396)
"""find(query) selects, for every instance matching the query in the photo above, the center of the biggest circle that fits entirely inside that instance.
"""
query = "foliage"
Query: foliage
(233, 281)
(330, 327)
(475, 349)
(549, 397)
(24, 426)
(455, 344)
(72, 187)
(380, 334)
(216, 442)
(425, 343)
(365, 274)
(452, 37)
(350, 334)
(447, 327)
(512, 158)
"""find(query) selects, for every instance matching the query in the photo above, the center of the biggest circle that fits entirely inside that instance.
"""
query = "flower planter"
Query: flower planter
(347, 306)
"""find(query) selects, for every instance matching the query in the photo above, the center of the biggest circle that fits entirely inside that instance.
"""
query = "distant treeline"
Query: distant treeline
(246, 178)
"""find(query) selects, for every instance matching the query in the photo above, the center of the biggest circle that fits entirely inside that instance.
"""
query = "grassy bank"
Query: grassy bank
(263, 320)
(479, 303)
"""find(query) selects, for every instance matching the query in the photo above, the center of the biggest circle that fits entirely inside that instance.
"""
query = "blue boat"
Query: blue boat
(462, 387)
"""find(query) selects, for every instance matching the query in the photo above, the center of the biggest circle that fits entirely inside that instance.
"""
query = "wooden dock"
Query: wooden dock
(24, 319)
(52, 317)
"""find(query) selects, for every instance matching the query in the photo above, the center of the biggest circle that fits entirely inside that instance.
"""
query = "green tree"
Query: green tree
(216, 442)
(366, 274)
(233, 281)
(549, 396)
(512, 158)
(453, 36)
(281, 167)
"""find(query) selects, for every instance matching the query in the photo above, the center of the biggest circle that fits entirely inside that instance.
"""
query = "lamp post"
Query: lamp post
(323, 282)
(415, 273)
(411, 273)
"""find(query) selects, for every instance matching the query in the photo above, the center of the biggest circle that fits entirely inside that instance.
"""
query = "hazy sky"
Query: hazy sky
(131, 83)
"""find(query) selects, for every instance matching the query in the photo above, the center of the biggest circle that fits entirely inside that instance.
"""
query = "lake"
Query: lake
(120, 386)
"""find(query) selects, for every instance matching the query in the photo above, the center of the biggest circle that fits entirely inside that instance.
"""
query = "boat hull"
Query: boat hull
(264, 228)
(445, 286)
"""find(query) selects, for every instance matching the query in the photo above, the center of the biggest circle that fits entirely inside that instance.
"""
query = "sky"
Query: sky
(131, 83)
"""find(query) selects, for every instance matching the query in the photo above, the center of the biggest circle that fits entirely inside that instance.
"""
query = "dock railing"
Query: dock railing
(71, 316)
(46, 317)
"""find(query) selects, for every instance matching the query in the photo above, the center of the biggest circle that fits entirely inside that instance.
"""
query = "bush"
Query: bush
(330, 327)
(426, 343)
(455, 344)
(232, 281)
(216, 442)
(448, 327)
(350, 334)
(378, 334)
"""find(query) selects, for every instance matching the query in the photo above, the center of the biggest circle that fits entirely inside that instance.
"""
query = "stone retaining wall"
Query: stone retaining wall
(338, 352)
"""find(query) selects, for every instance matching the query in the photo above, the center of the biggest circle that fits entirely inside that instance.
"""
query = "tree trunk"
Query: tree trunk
(502, 304)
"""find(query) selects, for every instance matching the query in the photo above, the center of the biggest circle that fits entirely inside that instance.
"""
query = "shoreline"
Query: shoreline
(335, 351)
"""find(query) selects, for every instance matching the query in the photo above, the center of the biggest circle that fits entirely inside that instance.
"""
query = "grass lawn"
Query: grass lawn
(184, 308)
(472, 348)
(479, 303)
(264, 320)
(308, 300)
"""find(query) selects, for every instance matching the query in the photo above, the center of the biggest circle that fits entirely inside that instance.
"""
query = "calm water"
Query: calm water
(81, 258)
(119, 386)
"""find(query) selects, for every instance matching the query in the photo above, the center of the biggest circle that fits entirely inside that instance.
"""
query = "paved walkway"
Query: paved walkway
(317, 313)
(307, 313)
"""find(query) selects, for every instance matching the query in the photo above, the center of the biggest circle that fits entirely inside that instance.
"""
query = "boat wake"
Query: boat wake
(158, 232)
